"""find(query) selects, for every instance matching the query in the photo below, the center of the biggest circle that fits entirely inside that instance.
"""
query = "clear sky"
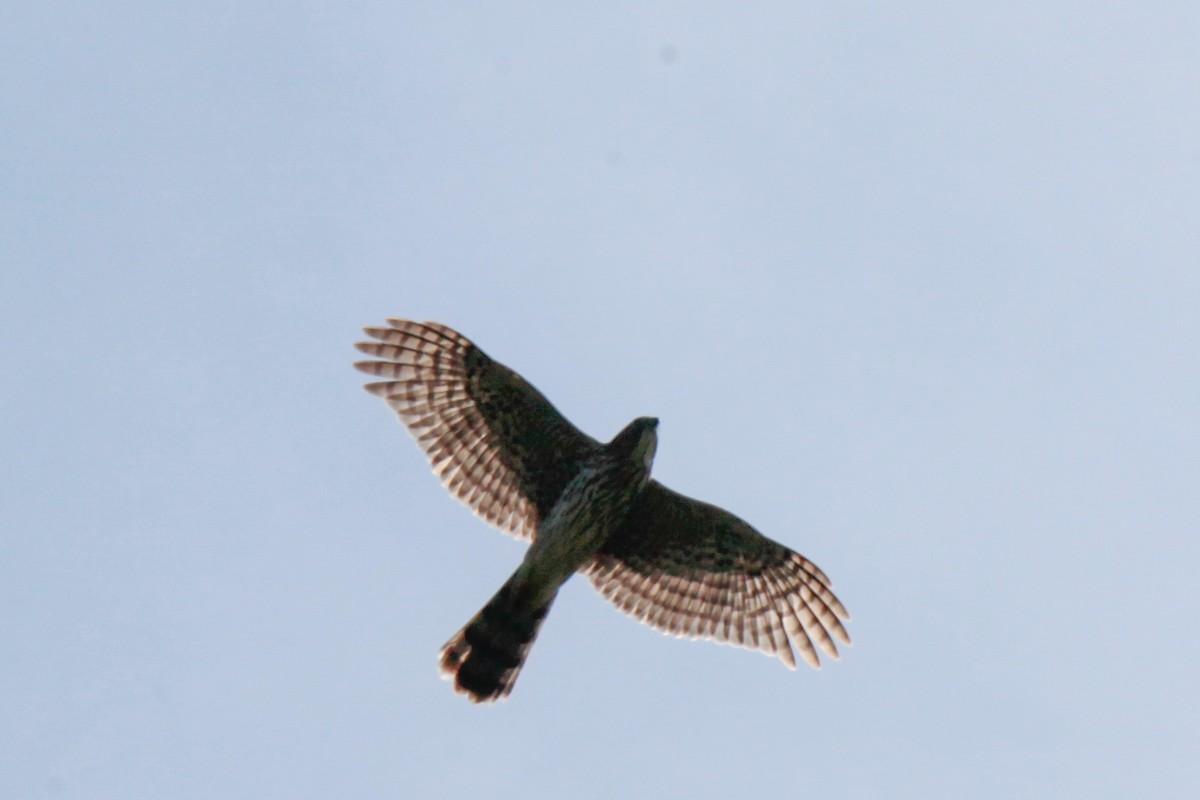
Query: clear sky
(913, 287)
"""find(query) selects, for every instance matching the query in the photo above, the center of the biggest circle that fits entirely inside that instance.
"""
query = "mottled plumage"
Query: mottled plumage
(680, 565)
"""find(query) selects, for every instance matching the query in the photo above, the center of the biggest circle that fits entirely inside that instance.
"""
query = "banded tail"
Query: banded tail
(485, 657)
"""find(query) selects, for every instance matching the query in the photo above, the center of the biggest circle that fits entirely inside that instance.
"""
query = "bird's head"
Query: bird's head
(638, 440)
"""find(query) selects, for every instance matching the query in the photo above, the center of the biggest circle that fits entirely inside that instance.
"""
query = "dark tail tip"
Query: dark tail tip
(485, 658)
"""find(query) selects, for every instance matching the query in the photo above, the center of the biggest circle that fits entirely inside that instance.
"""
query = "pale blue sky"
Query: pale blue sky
(913, 287)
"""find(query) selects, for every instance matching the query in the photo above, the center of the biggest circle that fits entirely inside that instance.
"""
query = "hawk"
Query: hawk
(680, 565)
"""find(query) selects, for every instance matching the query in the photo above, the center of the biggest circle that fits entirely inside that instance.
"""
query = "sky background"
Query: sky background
(913, 287)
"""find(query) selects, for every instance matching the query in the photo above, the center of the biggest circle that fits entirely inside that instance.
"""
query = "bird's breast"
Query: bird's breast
(589, 509)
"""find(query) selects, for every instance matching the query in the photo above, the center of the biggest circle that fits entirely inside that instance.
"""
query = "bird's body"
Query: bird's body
(590, 508)
(680, 565)
(486, 655)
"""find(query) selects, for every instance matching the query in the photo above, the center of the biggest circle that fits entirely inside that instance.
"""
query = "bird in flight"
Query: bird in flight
(680, 565)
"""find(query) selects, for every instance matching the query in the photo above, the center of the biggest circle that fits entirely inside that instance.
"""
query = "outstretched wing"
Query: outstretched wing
(496, 443)
(694, 570)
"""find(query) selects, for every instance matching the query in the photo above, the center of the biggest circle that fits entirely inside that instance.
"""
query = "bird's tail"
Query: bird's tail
(485, 657)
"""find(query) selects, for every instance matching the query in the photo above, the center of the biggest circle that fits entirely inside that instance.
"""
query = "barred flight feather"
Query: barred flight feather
(693, 570)
(429, 391)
